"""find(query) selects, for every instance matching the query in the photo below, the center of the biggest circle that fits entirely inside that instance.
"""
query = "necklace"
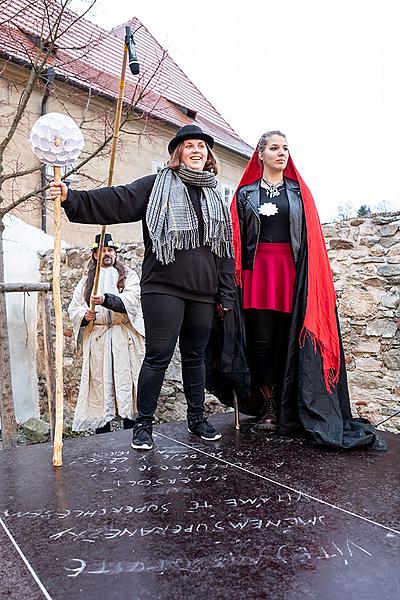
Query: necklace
(272, 189)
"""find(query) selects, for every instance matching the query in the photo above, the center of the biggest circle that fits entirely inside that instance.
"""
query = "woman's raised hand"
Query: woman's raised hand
(58, 189)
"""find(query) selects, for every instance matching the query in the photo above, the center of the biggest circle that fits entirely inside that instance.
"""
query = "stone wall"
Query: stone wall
(365, 260)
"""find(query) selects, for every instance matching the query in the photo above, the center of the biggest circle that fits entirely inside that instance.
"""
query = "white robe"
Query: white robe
(112, 352)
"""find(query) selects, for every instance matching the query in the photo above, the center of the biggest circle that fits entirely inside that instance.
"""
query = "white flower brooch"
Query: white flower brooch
(268, 209)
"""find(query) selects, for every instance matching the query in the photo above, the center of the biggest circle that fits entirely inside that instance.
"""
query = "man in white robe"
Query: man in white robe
(113, 349)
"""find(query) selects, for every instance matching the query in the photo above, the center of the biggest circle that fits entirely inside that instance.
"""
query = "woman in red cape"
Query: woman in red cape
(286, 311)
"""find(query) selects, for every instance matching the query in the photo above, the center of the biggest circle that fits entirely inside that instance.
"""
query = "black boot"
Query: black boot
(268, 421)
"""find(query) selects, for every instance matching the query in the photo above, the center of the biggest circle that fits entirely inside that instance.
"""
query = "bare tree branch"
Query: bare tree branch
(15, 14)
(16, 174)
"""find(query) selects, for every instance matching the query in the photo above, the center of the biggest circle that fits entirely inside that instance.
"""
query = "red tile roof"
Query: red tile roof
(91, 57)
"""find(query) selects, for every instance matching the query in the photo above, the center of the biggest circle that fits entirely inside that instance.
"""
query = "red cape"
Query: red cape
(320, 317)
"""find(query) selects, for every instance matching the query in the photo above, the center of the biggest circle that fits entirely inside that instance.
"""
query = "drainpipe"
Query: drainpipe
(49, 87)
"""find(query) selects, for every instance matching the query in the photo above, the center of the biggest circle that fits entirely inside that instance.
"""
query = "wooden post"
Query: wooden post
(58, 431)
(48, 361)
(25, 287)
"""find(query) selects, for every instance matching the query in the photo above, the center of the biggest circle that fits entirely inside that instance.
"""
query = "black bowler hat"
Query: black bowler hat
(189, 132)
(108, 241)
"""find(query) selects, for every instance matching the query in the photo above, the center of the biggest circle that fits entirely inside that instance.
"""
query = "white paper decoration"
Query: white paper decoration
(56, 140)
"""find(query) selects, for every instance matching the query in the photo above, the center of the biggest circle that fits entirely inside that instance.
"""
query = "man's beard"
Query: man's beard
(107, 261)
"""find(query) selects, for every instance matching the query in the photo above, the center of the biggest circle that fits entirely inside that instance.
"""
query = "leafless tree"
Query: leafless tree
(344, 211)
(384, 206)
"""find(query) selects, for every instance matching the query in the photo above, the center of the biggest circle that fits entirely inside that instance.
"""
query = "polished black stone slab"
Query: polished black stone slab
(249, 516)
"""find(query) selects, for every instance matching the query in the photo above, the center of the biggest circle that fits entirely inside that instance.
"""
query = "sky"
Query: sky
(324, 72)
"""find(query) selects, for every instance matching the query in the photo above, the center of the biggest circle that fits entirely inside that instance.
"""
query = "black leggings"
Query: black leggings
(165, 318)
(267, 333)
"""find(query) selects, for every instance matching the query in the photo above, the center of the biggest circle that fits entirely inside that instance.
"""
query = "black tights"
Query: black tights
(166, 318)
(267, 333)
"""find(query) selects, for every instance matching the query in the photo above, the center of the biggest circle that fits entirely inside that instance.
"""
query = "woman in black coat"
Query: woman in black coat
(187, 267)
(287, 299)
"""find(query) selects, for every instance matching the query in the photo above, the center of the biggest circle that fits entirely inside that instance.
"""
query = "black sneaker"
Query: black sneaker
(141, 436)
(204, 430)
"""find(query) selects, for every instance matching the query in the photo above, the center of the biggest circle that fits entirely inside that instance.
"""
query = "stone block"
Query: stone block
(387, 242)
(357, 303)
(368, 364)
(168, 390)
(374, 281)
(390, 299)
(329, 230)
(389, 270)
(340, 244)
(358, 254)
(394, 250)
(372, 259)
(369, 241)
(389, 230)
(381, 328)
(174, 371)
(391, 359)
(365, 380)
(36, 430)
(364, 346)
(366, 229)
(383, 219)
(75, 259)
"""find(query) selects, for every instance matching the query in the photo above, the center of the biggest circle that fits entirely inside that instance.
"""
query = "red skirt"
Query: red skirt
(270, 284)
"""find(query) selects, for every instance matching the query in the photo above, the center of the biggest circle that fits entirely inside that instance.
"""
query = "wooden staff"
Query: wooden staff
(58, 432)
(236, 410)
(49, 361)
(118, 113)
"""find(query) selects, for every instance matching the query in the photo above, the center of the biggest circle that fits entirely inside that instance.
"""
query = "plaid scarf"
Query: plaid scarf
(172, 221)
